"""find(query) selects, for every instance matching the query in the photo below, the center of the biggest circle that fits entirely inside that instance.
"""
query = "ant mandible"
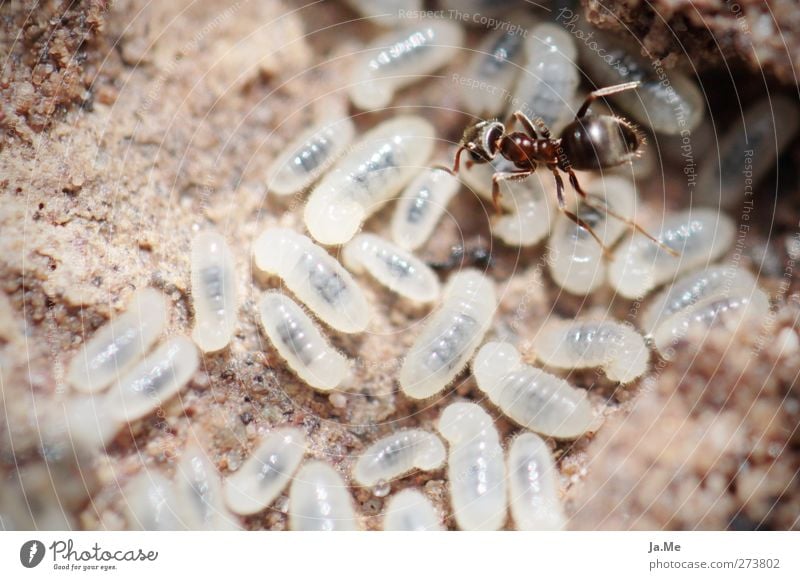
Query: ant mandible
(590, 142)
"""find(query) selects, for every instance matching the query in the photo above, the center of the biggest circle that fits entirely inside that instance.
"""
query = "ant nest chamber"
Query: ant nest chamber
(242, 280)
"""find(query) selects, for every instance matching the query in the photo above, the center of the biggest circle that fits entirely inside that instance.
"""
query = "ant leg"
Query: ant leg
(507, 176)
(562, 205)
(573, 179)
(525, 121)
(594, 95)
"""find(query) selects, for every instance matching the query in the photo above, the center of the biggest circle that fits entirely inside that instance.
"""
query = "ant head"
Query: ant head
(481, 140)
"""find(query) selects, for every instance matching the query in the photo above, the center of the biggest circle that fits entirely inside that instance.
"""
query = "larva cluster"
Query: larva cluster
(400, 58)
(315, 277)
(616, 348)
(450, 337)
(531, 397)
(382, 162)
(397, 454)
(475, 467)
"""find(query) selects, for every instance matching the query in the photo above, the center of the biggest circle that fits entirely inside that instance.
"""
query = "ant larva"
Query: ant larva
(590, 143)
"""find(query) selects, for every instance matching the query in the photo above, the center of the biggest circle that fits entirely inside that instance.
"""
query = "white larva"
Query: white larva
(726, 311)
(576, 259)
(398, 454)
(90, 422)
(266, 473)
(117, 346)
(476, 468)
(159, 377)
(151, 503)
(715, 282)
(546, 87)
(198, 492)
(765, 130)
(213, 291)
(315, 277)
(420, 207)
(319, 500)
(533, 485)
(300, 343)
(576, 344)
(308, 156)
(383, 161)
(400, 58)
(699, 236)
(451, 336)
(386, 12)
(410, 511)
(531, 218)
(491, 73)
(667, 101)
(531, 397)
(397, 269)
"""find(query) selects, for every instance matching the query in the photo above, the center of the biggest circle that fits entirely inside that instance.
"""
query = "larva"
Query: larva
(699, 236)
(398, 454)
(575, 344)
(116, 347)
(309, 155)
(533, 485)
(300, 343)
(213, 291)
(199, 493)
(266, 473)
(400, 58)
(385, 12)
(319, 500)
(475, 467)
(382, 162)
(400, 271)
(316, 278)
(420, 207)
(410, 511)
(451, 336)
(531, 397)
(151, 503)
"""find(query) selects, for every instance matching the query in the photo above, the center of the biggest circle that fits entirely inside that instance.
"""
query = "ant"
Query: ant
(590, 142)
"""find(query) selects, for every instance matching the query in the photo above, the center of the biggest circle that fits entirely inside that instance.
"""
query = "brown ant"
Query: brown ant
(590, 142)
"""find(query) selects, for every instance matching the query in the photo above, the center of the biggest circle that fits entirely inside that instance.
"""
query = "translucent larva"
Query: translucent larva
(667, 101)
(451, 336)
(159, 377)
(492, 72)
(475, 467)
(266, 473)
(319, 500)
(151, 503)
(726, 311)
(308, 156)
(546, 87)
(213, 291)
(533, 485)
(531, 397)
(382, 162)
(765, 130)
(397, 269)
(385, 12)
(576, 259)
(199, 493)
(300, 343)
(116, 347)
(715, 282)
(400, 58)
(397, 454)
(420, 207)
(575, 344)
(410, 511)
(90, 422)
(699, 236)
(316, 278)
(530, 219)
